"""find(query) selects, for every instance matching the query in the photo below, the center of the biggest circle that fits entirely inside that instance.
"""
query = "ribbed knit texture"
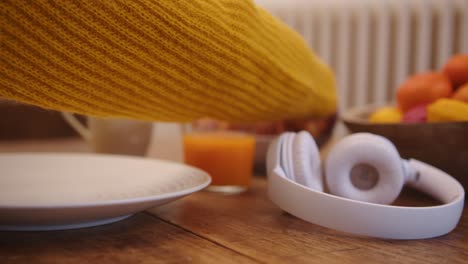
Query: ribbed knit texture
(160, 60)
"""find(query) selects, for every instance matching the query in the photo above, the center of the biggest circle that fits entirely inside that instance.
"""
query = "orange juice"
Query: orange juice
(227, 157)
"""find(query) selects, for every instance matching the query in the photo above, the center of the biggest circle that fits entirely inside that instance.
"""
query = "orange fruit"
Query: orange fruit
(456, 69)
(423, 88)
(461, 94)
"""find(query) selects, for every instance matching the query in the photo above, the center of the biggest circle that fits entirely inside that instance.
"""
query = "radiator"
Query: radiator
(373, 45)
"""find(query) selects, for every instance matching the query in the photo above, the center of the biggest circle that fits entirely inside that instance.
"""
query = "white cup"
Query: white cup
(114, 136)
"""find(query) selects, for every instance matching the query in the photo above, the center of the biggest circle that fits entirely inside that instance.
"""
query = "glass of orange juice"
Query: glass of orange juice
(227, 156)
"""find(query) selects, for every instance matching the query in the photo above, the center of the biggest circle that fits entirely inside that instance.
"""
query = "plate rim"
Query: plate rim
(126, 201)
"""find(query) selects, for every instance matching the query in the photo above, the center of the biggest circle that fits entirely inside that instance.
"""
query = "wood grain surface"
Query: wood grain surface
(251, 225)
(213, 228)
(140, 239)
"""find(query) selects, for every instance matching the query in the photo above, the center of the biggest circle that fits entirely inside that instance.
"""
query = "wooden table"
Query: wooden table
(212, 228)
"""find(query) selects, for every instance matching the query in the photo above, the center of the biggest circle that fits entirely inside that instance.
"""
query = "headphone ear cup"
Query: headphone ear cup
(306, 161)
(371, 154)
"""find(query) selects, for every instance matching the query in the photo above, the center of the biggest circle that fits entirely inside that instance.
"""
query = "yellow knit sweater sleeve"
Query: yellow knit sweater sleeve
(170, 60)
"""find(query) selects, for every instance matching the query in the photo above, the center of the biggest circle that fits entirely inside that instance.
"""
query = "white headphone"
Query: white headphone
(366, 173)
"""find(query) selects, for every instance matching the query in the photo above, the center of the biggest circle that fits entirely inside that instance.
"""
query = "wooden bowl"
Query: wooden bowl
(443, 145)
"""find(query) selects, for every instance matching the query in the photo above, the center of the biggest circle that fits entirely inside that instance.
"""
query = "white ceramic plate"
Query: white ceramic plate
(62, 191)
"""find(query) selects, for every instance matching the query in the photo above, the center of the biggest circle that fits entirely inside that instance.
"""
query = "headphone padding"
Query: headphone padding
(272, 159)
(306, 161)
(286, 161)
(369, 149)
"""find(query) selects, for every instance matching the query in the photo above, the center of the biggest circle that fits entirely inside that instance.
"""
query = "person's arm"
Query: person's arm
(160, 60)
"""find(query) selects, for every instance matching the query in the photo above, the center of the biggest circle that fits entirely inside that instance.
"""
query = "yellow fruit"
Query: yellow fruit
(386, 115)
(447, 110)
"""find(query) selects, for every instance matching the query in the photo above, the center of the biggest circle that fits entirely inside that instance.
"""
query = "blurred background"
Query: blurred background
(372, 46)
